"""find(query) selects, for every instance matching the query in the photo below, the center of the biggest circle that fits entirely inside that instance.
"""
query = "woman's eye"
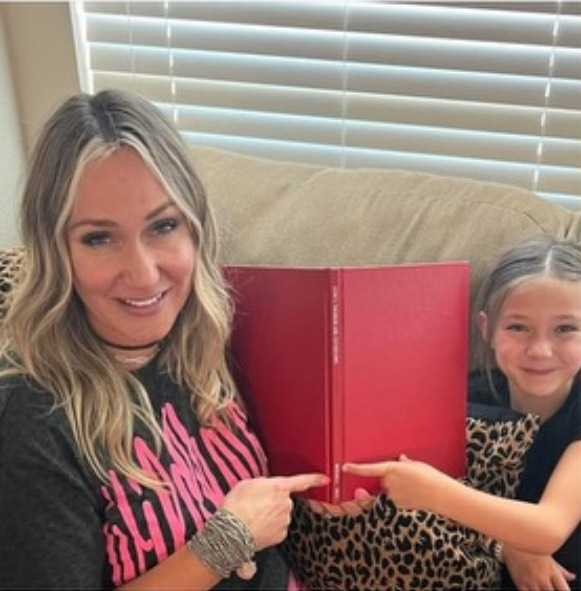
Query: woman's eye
(96, 238)
(566, 328)
(165, 226)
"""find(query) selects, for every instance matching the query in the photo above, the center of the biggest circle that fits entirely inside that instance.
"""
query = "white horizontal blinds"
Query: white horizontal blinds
(481, 91)
(251, 76)
(487, 90)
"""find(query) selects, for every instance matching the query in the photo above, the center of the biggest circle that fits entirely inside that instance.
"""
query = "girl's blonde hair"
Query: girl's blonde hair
(46, 333)
(534, 258)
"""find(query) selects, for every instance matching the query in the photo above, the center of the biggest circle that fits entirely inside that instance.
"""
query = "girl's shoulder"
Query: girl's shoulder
(572, 409)
(489, 389)
(576, 388)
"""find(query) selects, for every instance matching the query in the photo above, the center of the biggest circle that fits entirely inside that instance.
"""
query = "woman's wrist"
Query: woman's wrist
(225, 545)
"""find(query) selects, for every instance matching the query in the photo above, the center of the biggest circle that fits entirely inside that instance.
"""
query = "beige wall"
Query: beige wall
(11, 147)
(37, 70)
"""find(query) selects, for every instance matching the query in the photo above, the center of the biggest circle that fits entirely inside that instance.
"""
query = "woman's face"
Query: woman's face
(132, 251)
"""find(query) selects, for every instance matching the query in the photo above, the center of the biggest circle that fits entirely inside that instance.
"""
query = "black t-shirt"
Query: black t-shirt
(62, 528)
(553, 437)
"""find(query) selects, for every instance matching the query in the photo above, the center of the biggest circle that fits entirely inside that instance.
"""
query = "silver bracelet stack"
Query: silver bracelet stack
(225, 545)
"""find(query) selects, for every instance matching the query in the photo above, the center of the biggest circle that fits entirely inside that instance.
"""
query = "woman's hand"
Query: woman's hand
(409, 484)
(535, 572)
(265, 504)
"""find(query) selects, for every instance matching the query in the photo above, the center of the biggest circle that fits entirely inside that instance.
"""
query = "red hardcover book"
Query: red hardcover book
(353, 364)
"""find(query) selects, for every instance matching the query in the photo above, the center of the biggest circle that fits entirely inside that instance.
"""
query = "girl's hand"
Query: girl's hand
(264, 504)
(409, 484)
(536, 571)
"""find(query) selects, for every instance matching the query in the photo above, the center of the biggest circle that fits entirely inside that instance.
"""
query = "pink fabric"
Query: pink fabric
(294, 584)
(142, 521)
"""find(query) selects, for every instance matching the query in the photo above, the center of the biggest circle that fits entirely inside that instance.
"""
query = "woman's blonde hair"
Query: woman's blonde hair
(47, 336)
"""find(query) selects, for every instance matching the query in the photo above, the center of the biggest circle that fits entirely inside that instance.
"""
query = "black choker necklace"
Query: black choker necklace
(130, 347)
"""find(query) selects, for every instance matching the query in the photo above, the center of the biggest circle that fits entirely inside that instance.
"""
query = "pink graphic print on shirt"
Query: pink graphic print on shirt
(143, 525)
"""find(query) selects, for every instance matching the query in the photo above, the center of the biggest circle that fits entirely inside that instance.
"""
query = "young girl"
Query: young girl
(530, 323)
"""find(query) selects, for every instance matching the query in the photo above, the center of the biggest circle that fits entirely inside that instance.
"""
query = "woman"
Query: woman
(126, 459)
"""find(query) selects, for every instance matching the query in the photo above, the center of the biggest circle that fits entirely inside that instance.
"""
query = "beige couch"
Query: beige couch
(273, 212)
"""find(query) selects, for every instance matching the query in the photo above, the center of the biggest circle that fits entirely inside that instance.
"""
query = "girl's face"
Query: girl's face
(537, 342)
(132, 252)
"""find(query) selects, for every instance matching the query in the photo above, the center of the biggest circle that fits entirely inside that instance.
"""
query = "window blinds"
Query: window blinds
(487, 90)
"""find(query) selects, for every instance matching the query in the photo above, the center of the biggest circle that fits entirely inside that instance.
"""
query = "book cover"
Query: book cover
(354, 364)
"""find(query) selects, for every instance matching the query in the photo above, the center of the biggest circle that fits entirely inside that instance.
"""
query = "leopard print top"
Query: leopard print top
(390, 549)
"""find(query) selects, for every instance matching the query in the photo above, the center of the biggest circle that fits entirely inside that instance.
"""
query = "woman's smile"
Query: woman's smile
(149, 305)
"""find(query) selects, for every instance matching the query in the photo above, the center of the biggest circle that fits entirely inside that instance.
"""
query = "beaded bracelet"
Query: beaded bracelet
(225, 545)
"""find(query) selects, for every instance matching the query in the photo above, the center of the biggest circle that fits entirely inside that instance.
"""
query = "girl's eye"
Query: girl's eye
(515, 327)
(165, 226)
(96, 238)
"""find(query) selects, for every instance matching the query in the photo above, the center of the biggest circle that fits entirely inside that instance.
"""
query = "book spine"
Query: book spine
(336, 383)
(335, 347)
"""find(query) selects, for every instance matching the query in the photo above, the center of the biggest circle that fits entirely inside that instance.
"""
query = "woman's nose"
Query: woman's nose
(140, 266)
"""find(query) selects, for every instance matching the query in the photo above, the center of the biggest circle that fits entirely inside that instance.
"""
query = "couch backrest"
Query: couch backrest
(273, 212)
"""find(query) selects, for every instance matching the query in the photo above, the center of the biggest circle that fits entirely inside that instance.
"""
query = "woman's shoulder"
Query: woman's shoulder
(35, 432)
(26, 407)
